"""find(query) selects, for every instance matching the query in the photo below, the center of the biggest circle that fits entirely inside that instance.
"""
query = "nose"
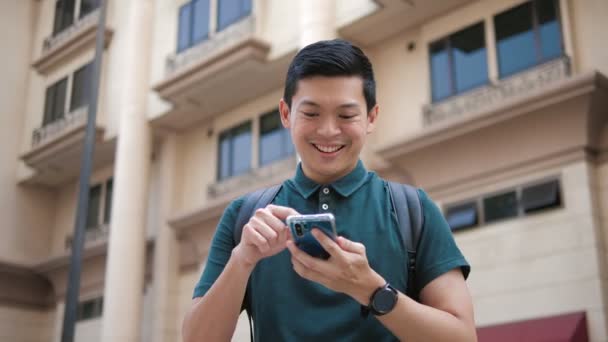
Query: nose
(328, 127)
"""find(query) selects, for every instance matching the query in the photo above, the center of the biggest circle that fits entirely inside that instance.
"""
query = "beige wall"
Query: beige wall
(22, 325)
(539, 265)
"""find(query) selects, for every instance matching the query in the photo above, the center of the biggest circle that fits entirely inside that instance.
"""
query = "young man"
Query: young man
(329, 106)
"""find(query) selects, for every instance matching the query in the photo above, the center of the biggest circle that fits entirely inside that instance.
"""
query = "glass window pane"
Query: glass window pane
(271, 147)
(515, 40)
(200, 25)
(88, 6)
(183, 36)
(470, 59)
(541, 196)
(93, 210)
(462, 216)
(500, 206)
(224, 155)
(230, 11)
(550, 30)
(440, 71)
(49, 104)
(107, 212)
(241, 149)
(80, 87)
(59, 99)
(64, 15)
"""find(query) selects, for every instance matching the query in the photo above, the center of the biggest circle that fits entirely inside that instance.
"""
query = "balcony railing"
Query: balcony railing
(49, 132)
(91, 235)
(253, 177)
(505, 89)
(216, 43)
(89, 20)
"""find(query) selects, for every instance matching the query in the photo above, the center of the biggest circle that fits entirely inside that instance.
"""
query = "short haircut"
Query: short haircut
(336, 57)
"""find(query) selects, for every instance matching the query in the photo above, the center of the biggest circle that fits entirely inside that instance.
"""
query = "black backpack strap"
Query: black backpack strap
(408, 209)
(253, 201)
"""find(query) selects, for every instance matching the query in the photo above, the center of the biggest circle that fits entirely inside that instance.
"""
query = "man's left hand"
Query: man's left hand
(347, 269)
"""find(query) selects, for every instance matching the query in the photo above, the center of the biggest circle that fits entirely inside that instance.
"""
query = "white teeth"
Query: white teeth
(328, 149)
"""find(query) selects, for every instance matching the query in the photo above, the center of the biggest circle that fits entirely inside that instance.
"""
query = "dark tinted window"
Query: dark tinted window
(81, 86)
(527, 35)
(500, 206)
(64, 15)
(88, 6)
(230, 11)
(458, 62)
(107, 212)
(54, 105)
(541, 196)
(90, 309)
(235, 151)
(275, 141)
(93, 210)
(462, 216)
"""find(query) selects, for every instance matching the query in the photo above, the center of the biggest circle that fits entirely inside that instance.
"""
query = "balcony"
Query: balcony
(57, 149)
(69, 42)
(93, 236)
(230, 68)
(393, 16)
(507, 89)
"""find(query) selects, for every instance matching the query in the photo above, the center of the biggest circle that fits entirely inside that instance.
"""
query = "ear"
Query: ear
(371, 118)
(284, 113)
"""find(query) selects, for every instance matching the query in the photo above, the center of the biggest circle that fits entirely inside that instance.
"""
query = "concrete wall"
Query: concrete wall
(23, 325)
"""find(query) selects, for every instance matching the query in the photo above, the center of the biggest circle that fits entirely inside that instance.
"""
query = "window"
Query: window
(193, 23)
(90, 309)
(67, 10)
(462, 216)
(88, 6)
(500, 206)
(541, 196)
(81, 86)
(458, 62)
(230, 11)
(54, 104)
(527, 35)
(100, 201)
(235, 151)
(275, 141)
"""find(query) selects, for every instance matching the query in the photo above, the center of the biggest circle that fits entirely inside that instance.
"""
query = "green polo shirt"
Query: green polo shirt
(286, 307)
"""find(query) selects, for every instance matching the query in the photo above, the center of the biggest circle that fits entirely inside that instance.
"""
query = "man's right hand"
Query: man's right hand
(264, 235)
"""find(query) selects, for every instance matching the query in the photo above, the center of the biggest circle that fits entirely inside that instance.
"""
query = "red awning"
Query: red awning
(564, 328)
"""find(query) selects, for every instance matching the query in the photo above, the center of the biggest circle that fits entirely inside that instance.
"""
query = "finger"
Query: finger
(302, 256)
(306, 272)
(351, 246)
(281, 212)
(328, 244)
(272, 221)
(255, 238)
(262, 228)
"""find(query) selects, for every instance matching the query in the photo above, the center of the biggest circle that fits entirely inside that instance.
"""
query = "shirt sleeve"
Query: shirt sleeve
(221, 249)
(437, 251)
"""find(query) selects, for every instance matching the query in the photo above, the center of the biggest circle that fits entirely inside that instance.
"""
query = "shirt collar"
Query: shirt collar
(345, 186)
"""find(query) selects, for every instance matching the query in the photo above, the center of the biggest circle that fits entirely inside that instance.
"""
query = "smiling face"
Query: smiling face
(329, 122)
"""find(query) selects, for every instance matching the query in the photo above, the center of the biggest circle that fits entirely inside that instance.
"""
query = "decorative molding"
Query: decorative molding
(518, 85)
(51, 131)
(22, 287)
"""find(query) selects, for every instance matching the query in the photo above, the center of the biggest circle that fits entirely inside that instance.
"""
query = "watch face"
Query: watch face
(385, 300)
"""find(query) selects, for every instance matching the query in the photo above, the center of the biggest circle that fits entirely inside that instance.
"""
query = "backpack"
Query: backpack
(405, 202)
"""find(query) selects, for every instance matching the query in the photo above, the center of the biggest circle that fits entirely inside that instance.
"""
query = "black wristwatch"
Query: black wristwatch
(382, 301)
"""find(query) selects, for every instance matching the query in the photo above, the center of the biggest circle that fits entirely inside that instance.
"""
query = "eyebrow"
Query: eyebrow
(314, 104)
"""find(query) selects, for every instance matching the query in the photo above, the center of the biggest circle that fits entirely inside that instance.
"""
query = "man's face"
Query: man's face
(329, 122)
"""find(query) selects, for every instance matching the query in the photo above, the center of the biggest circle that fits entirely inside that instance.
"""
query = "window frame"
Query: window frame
(103, 211)
(540, 59)
(229, 132)
(50, 116)
(242, 15)
(285, 138)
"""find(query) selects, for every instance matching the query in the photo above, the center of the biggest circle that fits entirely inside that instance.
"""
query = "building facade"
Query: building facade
(497, 108)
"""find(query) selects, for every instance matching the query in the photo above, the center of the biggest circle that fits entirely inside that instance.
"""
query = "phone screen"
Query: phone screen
(301, 227)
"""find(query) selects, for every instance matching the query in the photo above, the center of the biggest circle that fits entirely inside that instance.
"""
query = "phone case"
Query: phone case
(301, 227)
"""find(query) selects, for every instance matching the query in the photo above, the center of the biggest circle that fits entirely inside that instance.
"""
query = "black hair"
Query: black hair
(336, 57)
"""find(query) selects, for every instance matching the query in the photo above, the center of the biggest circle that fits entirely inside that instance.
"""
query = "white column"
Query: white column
(317, 21)
(166, 252)
(124, 283)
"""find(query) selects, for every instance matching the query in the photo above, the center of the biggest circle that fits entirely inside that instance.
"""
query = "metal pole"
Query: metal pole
(71, 298)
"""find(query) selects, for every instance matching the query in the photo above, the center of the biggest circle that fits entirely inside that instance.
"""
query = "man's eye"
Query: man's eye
(310, 114)
(348, 116)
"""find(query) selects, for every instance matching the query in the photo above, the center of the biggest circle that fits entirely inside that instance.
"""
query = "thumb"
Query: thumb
(351, 246)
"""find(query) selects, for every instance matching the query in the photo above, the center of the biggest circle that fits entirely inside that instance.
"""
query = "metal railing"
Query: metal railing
(507, 88)
(99, 233)
(50, 131)
(218, 41)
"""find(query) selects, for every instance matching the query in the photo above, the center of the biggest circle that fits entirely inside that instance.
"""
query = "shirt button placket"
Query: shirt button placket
(324, 198)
